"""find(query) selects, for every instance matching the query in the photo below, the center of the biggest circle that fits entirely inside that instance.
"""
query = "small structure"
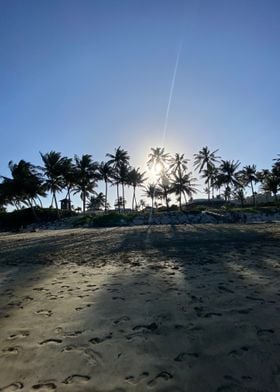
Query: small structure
(65, 204)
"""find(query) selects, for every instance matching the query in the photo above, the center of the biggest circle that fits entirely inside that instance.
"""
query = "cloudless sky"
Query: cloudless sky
(86, 76)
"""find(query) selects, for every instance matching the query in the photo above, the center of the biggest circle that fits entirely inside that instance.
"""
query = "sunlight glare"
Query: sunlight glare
(154, 172)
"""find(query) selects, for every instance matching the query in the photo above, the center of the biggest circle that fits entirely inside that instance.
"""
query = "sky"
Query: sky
(87, 76)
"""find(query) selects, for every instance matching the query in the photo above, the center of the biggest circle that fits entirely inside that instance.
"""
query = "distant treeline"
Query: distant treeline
(166, 175)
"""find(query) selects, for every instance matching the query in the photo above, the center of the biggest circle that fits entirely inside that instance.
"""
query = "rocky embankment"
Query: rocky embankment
(174, 218)
(165, 218)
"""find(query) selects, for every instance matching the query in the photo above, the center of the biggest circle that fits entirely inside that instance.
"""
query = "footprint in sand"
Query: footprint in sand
(19, 335)
(161, 376)
(265, 332)
(183, 356)
(49, 386)
(11, 350)
(76, 378)
(12, 387)
(44, 312)
(94, 357)
(239, 352)
(136, 380)
(121, 319)
(73, 334)
(151, 327)
(48, 341)
(98, 340)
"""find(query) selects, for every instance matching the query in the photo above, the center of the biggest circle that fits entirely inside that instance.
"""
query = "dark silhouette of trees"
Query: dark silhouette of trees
(87, 177)
(106, 173)
(24, 187)
(206, 160)
(29, 183)
(135, 179)
(53, 171)
(248, 177)
(119, 162)
(97, 202)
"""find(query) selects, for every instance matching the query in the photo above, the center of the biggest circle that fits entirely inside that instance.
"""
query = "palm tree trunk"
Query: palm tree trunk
(123, 196)
(55, 200)
(135, 202)
(166, 200)
(84, 202)
(133, 196)
(69, 198)
(180, 201)
(253, 194)
(106, 192)
(152, 203)
(208, 188)
(118, 197)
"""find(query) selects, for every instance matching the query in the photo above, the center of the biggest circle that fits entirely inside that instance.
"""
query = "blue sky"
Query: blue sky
(87, 76)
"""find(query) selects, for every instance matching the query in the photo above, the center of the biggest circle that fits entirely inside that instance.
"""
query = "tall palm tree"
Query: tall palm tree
(135, 179)
(205, 159)
(185, 185)
(228, 175)
(271, 183)
(53, 170)
(119, 160)
(158, 157)
(69, 175)
(178, 163)
(87, 177)
(25, 186)
(178, 166)
(106, 172)
(165, 188)
(122, 177)
(152, 191)
(210, 174)
(249, 175)
(97, 202)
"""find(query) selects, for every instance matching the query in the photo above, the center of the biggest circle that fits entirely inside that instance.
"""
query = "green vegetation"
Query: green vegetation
(21, 218)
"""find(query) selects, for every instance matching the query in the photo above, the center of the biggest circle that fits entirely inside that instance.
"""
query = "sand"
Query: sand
(166, 308)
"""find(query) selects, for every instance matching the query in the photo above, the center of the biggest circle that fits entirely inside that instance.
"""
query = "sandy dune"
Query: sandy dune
(167, 308)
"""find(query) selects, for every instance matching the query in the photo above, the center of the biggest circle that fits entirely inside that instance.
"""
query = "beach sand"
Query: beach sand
(166, 308)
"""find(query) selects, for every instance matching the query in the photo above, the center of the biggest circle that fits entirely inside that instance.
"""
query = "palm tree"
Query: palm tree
(183, 185)
(228, 176)
(53, 170)
(271, 183)
(239, 194)
(25, 186)
(97, 202)
(69, 175)
(205, 159)
(87, 177)
(165, 188)
(276, 167)
(158, 157)
(135, 179)
(106, 173)
(120, 203)
(152, 191)
(249, 175)
(210, 174)
(122, 178)
(118, 161)
(178, 165)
